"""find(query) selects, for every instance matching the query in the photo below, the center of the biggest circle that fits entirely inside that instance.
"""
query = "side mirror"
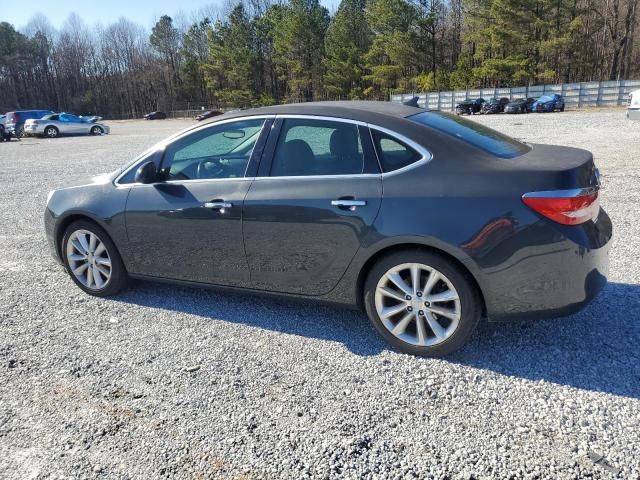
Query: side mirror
(147, 173)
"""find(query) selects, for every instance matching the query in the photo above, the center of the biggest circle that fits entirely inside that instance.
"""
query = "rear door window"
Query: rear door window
(308, 147)
(478, 135)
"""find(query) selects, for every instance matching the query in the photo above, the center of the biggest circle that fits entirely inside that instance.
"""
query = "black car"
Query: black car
(423, 219)
(4, 135)
(208, 114)
(520, 105)
(15, 121)
(494, 105)
(155, 116)
(470, 107)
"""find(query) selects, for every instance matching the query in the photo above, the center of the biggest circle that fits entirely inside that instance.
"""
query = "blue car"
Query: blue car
(549, 103)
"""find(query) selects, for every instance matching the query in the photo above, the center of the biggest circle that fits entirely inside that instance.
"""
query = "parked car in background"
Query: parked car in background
(4, 135)
(470, 107)
(520, 105)
(208, 114)
(56, 124)
(549, 103)
(633, 105)
(494, 105)
(425, 220)
(16, 120)
(155, 116)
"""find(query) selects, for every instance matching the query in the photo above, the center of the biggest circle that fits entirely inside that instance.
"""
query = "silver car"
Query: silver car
(51, 126)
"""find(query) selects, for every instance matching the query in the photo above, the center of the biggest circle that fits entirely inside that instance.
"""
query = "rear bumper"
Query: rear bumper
(552, 280)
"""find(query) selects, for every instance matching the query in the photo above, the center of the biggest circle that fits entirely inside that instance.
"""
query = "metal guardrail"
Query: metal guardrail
(576, 95)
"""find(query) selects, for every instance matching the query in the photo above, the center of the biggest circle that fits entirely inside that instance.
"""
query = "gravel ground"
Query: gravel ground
(163, 381)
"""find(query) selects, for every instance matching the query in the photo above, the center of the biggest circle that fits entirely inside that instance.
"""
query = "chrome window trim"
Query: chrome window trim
(164, 143)
(426, 154)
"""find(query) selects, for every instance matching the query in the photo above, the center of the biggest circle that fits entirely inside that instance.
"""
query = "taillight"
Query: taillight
(568, 207)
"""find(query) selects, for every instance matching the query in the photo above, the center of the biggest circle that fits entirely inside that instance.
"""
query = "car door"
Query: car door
(188, 226)
(312, 204)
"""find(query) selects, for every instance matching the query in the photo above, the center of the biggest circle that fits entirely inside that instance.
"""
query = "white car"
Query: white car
(54, 125)
(633, 105)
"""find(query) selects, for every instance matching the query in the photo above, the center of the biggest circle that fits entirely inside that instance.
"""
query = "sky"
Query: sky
(144, 12)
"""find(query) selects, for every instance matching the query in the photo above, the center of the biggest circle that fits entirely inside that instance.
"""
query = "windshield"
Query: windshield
(478, 135)
(545, 98)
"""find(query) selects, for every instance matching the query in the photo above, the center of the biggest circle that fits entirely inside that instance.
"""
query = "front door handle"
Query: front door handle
(348, 204)
(218, 205)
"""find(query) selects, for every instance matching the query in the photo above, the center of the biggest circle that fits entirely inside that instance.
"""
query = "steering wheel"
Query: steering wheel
(211, 168)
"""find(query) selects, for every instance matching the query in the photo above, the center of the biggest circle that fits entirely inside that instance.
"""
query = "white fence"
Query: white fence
(576, 95)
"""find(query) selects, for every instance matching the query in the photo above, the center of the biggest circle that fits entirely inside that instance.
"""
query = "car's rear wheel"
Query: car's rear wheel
(421, 303)
(51, 132)
(92, 259)
(96, 130)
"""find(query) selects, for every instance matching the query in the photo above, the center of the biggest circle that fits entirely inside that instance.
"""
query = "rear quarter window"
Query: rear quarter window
(471, 132)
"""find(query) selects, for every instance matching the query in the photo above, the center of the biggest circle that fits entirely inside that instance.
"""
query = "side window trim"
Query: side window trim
(266, 163)
(160, 149)
(208, 127)
(425, 155)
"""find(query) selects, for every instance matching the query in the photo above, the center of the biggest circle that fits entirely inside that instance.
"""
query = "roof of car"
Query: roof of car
(365, 111)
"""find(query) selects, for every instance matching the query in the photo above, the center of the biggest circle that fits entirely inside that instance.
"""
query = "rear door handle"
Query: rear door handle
(348, 204)
(221, 205)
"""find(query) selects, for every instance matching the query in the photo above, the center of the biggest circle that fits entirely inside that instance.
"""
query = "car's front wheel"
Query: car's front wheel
(51, 132)
(92, 260)
(421, 303)
(96, 130)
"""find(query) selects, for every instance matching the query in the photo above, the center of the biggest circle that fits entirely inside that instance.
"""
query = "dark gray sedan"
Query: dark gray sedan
(426, 221)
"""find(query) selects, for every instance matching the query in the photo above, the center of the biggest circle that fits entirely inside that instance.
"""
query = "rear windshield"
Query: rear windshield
(474, 133)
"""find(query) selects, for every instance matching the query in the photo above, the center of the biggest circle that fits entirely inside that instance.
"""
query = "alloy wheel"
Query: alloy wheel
(88, 259)
(418, 304)
(52, 132)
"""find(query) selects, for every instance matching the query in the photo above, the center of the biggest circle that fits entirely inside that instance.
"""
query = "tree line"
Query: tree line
(260, 52)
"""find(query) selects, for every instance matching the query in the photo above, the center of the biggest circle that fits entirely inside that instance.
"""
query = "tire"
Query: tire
(51, 132)
(117, 278)
(453, 333)
(19, 133)
(96, 130)
(562, 108)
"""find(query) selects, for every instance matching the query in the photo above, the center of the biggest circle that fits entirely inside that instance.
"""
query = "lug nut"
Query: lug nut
(420, 312)
(419, 294)
(408, 297)
(427, 304)
(409, 309)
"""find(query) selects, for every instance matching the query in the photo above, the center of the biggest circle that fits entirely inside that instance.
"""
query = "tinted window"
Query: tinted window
(393, 153)
(474, 133)
(317, 147)
(220, 151)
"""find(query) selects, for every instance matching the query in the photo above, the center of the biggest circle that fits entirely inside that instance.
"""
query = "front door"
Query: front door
(305, 217)
(189, 226)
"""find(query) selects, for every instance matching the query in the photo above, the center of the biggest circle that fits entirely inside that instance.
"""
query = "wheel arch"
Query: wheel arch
(414, 245)
(64, 223)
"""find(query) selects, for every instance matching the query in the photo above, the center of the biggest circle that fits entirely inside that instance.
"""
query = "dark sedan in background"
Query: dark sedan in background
(155, 116)
(494, 105)
(520, 105)
(469, 107)
(549, 103)
(208, 114)
(425, 220)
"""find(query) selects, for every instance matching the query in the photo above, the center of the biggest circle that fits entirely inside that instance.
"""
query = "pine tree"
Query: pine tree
(346, 42)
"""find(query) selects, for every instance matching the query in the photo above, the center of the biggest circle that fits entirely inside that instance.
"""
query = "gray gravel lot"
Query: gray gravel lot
(164, 381)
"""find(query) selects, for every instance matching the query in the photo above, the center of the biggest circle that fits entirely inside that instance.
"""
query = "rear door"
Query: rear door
(312, 204)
